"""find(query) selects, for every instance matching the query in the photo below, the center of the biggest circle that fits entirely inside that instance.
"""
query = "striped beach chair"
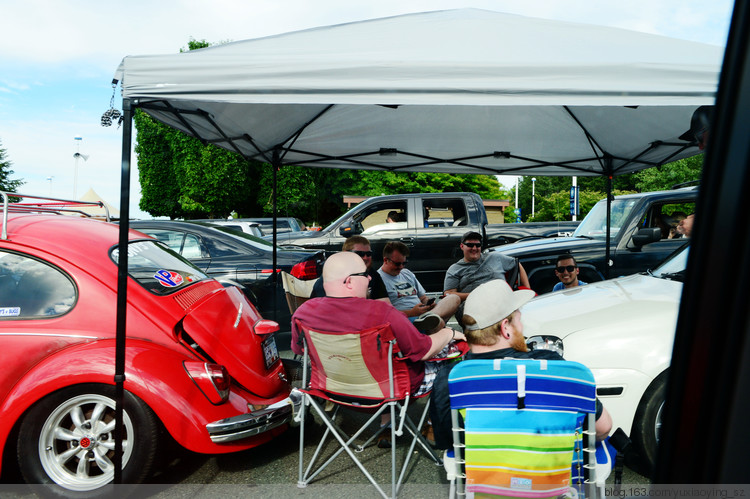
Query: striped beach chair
(520, 428)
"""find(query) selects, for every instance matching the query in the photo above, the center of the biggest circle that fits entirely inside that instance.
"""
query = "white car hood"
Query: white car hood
(625, 301)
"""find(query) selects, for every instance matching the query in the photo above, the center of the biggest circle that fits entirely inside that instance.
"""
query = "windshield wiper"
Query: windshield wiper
(674, 276)
(584, 236)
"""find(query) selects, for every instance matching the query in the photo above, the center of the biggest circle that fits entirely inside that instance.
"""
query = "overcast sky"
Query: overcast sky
(57, 59)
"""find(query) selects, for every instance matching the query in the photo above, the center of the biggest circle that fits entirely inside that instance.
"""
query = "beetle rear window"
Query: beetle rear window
(159, 269)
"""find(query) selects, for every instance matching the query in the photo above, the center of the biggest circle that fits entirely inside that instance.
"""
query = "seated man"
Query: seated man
(345, 308)
(494, 331)
(476, 268)
(408, 295)
(361, 246)
(567, 271)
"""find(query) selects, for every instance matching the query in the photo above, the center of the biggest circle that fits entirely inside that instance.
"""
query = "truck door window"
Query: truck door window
(667, 217)
(392, 215)
(438, 213)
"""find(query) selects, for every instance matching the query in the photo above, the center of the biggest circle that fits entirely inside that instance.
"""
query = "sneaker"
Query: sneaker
(429, 323)
(429, 434)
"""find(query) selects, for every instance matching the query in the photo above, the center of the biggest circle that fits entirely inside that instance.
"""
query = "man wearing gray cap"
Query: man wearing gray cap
(494, 330)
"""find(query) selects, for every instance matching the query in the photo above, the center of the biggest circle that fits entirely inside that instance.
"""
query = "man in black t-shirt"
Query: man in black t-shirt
(493, 330)
(361, 246)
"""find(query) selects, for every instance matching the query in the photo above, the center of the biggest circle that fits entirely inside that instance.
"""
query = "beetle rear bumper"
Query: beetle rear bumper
(255, 422)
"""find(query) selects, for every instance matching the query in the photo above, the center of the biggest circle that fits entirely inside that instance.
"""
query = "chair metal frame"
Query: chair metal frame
(396, 400)
(495, 376)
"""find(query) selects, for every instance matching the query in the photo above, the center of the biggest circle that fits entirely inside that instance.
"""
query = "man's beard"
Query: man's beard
(518, 342)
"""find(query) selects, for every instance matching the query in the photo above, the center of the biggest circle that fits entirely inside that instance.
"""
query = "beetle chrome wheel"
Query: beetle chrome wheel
(76, 443)
(67, 440)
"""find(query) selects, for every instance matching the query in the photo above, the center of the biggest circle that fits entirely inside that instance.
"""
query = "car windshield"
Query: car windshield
(595, 223)
(674, 266)
(157, 268)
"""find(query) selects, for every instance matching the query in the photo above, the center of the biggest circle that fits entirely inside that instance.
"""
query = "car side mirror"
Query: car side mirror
(348, 228)
(646, 236)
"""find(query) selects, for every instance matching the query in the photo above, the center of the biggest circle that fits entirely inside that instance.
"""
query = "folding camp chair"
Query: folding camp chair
(296, 290)
(523, 423)
(359, 370)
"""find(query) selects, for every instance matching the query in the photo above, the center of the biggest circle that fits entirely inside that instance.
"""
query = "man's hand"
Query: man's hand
(418, 310)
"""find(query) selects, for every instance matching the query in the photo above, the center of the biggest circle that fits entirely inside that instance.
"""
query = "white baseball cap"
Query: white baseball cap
(493, 301)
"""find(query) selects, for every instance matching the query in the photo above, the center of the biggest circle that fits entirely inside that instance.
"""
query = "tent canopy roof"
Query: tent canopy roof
(461, 91)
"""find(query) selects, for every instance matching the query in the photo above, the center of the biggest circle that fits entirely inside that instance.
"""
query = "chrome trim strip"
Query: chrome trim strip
(53, 335)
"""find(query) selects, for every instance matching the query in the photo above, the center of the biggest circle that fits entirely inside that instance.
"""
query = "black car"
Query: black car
(236, 258)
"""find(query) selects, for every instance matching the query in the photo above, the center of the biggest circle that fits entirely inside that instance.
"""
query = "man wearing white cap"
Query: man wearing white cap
(494, 330)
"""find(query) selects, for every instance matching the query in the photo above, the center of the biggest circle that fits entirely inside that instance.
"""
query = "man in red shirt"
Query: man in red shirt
(345, 308)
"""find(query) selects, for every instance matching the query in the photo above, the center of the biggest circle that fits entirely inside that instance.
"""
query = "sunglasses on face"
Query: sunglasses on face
(568, 268)
(398, 264)
(363, 254)
(363, 274)
(473, 245)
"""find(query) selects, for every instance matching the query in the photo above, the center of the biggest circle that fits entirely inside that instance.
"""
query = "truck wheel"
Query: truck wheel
(67, 440)
(647, 423)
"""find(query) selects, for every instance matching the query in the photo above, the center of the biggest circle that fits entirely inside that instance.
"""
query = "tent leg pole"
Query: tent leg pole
(122, 285)
(607, 256)
(276, 160)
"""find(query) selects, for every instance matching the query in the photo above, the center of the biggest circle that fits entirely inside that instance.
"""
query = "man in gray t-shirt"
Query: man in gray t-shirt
(476, 268)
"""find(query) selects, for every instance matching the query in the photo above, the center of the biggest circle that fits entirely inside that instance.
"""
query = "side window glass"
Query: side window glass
(444, 213)
(385, 216)
(191, 247)
(32, 289)
(668, 217)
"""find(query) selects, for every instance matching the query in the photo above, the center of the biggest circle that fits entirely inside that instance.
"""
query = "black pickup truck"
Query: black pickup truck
(430, 224)
(639, 239)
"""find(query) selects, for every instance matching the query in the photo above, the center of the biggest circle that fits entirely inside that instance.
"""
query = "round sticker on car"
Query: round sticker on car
(168, 279)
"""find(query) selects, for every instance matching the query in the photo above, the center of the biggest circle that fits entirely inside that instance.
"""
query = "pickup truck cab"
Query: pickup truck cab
(639, 240)
(430, 224)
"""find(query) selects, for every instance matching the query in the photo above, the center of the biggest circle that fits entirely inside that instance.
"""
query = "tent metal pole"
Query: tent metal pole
(122, 286)
(607, 262)
(275, 165)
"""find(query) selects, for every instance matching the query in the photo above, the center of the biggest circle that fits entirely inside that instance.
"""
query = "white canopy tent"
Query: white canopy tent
(462, 91)
(459, 91)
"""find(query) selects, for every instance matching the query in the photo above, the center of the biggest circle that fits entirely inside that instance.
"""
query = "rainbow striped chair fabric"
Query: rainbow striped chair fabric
(518, 424)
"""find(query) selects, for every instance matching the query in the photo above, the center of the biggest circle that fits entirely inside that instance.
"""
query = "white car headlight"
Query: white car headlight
(545, 342)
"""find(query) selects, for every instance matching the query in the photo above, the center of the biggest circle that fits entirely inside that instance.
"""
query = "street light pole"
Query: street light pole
(533, 195)
(49, 179)
(77, 155)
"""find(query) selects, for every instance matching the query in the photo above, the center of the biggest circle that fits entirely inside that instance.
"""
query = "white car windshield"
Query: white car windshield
(674, 266)
(595, 223)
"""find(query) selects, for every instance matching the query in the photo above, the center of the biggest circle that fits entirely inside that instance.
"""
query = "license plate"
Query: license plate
(270, 352)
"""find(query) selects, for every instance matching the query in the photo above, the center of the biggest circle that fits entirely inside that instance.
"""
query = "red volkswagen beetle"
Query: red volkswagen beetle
(201, 364)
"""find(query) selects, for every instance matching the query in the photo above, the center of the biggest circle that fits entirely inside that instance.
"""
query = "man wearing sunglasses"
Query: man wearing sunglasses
(361, 246)
(476, 268)
(567, 271)
(408, 295)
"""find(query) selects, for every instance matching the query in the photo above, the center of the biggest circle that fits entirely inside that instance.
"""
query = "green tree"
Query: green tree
(7, 184)
(667, 176)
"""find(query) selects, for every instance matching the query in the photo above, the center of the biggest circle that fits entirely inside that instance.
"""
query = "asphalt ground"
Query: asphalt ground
(271, 470)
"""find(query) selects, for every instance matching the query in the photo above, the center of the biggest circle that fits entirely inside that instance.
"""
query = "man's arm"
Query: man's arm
(603, 425)
(524, 277)
(454, 291)
(441, 339)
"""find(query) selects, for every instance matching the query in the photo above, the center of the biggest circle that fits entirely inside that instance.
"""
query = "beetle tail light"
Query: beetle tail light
(212, 380)
(264, 327)
(305, 270)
